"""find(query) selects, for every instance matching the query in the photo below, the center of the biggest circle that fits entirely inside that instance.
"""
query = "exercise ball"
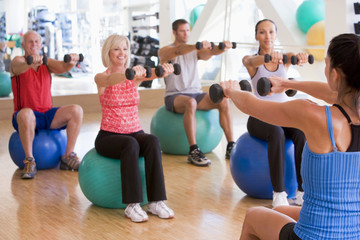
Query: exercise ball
(48, 147)
(316, 36)
(249, 167)
(310, 12)
(195, 13)
(100, 180)
(169, 128)
(5, 84)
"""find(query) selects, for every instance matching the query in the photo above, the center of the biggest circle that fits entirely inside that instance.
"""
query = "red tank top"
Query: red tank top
(32, 89)
(119, 106)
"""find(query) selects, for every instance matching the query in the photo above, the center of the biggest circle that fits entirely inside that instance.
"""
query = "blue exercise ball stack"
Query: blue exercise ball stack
(169, 128)
(100, 180)
(249, 167)
(48, 147)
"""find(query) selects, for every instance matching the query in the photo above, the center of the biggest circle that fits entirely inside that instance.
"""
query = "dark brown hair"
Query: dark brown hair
(178, 22)
(344, 55)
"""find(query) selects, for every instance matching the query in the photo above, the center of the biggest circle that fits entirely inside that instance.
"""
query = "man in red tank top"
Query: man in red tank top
(31, 86)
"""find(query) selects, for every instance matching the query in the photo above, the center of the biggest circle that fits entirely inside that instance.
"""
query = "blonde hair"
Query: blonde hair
(110, 43)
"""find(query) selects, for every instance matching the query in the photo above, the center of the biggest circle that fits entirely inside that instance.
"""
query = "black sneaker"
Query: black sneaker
(198, 158)
(29, 170)
(229, 147)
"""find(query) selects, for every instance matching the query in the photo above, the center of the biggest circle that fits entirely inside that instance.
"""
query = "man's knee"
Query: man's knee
(190, 104)
(77, 110)
(224, 105)
(26, 116)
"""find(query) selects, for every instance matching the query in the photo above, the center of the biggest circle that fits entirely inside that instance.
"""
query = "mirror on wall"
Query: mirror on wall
(81, 26)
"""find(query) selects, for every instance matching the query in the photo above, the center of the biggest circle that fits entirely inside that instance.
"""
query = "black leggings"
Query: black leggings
(128, 148)
(275, 136)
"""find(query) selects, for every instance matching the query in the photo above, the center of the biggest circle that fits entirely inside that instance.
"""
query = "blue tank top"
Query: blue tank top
(331, 184)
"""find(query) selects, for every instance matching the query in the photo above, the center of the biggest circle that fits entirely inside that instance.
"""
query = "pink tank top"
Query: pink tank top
(119, 106)
(32, 89)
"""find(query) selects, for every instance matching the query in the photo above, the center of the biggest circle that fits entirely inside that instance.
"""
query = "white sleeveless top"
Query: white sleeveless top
(186, 82)
(262, 71)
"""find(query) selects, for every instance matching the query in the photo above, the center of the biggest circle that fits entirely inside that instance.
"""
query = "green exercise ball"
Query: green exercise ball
(310, 12)
(100, 180)
(195, 13)
(169, 128)
(5, 84)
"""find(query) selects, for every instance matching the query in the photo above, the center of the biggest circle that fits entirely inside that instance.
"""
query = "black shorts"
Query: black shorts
(287, 232)
(169, 100)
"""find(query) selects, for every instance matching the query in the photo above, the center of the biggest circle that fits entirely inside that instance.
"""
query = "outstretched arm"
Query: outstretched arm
(59, 67)
(301, 114)
(319, 90)
(170, 52)
(207, 52)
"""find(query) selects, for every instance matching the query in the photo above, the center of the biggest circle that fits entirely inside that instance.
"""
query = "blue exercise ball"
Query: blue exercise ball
(249, 167)
(169, 128)
(48, 147)
(100, 180)
(310, 12)
(5, 84)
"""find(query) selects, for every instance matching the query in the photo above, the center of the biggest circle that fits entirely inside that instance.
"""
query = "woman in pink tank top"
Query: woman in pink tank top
(121, 136)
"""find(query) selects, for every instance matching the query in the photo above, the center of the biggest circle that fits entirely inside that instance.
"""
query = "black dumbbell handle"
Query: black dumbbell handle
(267, 58)
(221, 45)
(198, 45)
(291, 92)
(67, 58)
(130, 73)
(159, 70)
(29, 60)
(295, 60)
(264, 86)
(216, 92)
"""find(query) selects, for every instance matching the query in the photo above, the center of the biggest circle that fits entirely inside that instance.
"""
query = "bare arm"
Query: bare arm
(302, 114)
(170, 52)
(103, 80)
(18, 65)
(167, 67)
(252, 62)
(319, 90)
(207, 52)
(59, 67)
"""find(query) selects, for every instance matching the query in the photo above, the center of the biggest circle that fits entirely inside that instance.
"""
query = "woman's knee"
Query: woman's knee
(131, 146)
(251, 218)
(153, 141)
(277, 134)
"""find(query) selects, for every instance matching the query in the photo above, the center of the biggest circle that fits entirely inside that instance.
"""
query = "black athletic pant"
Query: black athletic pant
(128, 148)
(275, 136)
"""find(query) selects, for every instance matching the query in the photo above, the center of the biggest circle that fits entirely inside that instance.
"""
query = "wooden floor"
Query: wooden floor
(206, 201)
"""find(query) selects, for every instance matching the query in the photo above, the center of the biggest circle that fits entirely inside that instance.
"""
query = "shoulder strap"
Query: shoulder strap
(343, 112)
(330, 127)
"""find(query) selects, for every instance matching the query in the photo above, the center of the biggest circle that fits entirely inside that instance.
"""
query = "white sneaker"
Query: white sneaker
(160, 209)
(299, 198)
(280, 199)
(135, 213)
